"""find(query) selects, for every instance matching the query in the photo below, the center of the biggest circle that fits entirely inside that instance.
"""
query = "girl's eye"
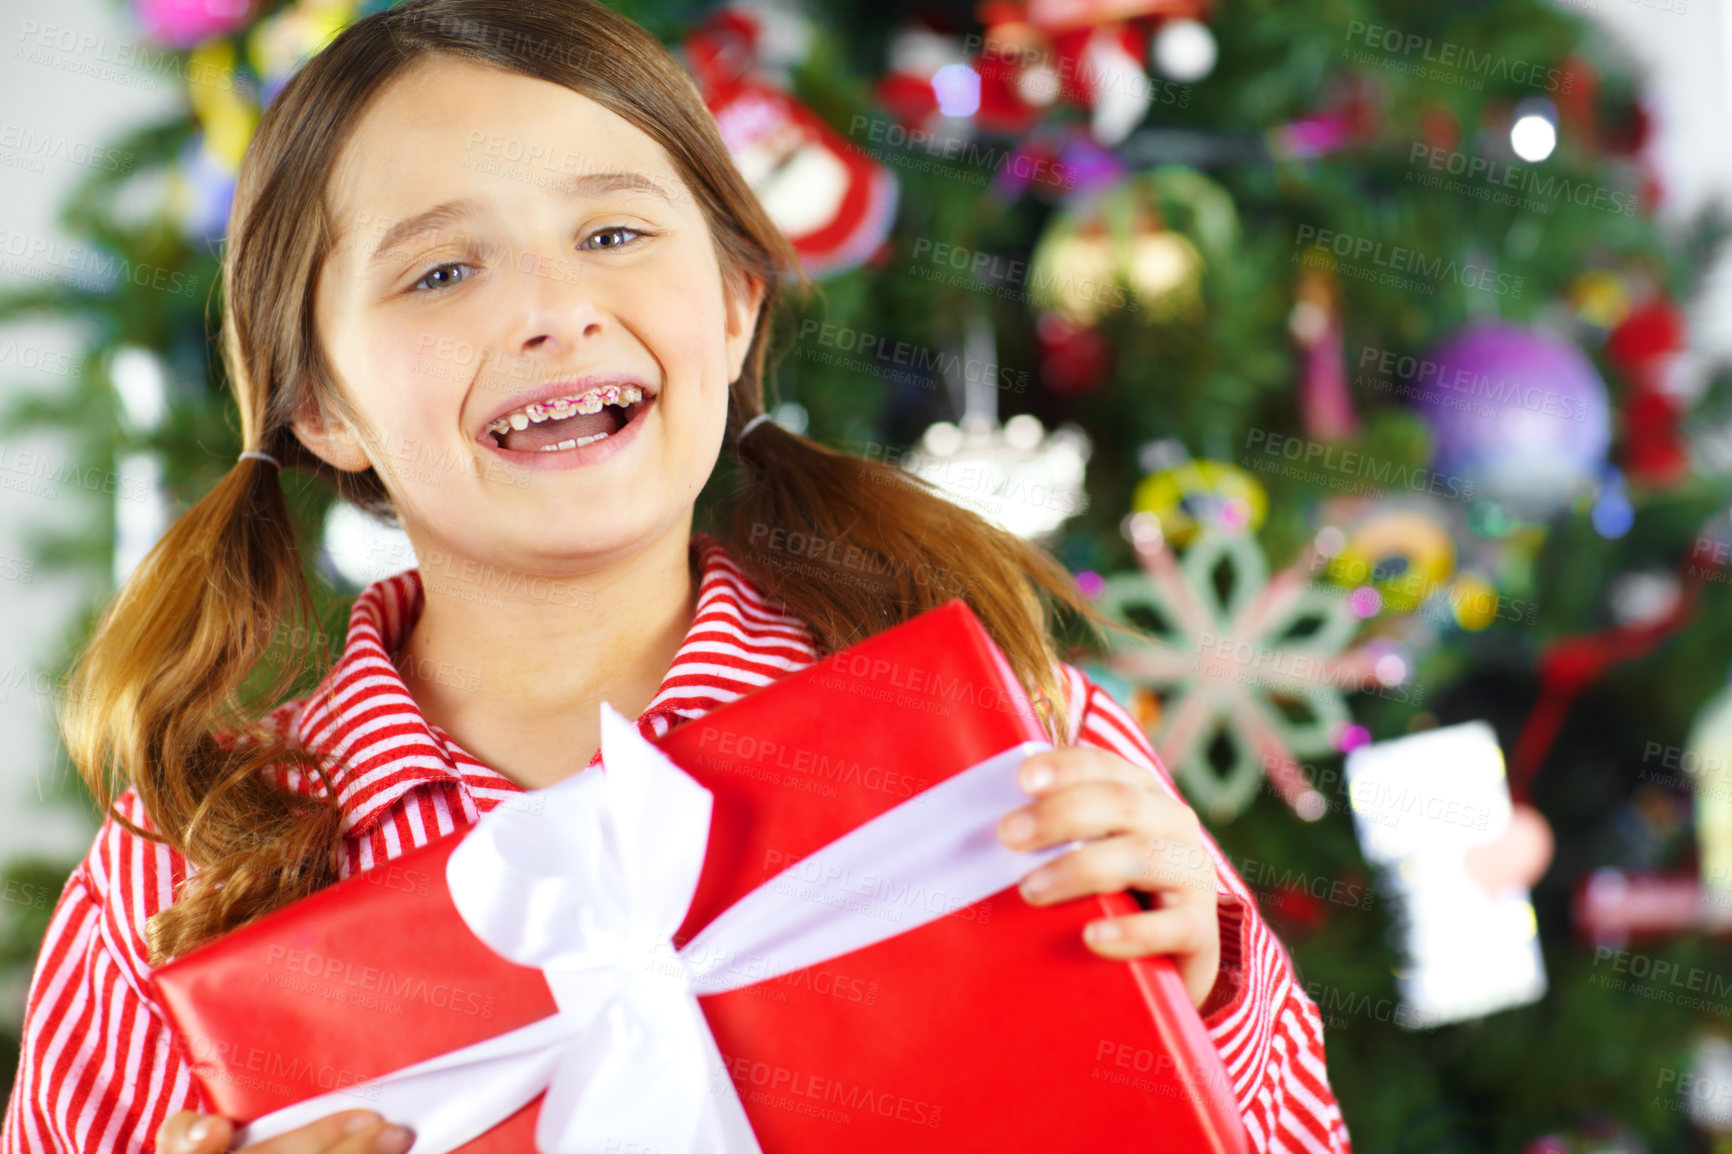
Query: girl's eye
(611, 237)
(433, 272)
(603, 239)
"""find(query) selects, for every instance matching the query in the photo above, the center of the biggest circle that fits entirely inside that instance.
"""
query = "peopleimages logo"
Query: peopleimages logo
(1396, 264)
(1531, 188)
(1332, 459)
(1448, 62)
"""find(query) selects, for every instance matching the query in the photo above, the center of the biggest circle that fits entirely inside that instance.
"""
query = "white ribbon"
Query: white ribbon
(591, 887)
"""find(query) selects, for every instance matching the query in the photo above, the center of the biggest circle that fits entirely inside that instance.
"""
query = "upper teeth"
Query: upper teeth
(561, 407)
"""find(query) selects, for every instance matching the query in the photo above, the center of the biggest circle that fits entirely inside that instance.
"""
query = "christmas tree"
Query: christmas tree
(1333, 345)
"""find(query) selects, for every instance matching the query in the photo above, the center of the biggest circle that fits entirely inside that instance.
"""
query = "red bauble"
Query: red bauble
(1439, 128)
(1297, 906)
(1645, 348)
(1074, 358)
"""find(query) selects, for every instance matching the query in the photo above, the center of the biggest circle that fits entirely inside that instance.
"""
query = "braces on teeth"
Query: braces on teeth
(562, 407)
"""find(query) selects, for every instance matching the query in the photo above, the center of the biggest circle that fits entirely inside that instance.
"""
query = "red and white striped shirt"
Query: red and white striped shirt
(98, 1071)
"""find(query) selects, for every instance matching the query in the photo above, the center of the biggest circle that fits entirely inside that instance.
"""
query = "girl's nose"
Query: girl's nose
(557, 300)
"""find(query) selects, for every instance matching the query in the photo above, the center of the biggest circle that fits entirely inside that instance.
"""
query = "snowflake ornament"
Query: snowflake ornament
(1251, 670)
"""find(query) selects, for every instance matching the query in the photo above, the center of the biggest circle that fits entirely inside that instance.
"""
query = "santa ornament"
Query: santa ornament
(828, 196)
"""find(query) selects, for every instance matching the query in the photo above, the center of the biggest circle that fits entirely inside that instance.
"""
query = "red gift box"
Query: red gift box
(992, 1026)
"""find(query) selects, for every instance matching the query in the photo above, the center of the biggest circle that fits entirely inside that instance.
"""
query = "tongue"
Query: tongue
(582, 425)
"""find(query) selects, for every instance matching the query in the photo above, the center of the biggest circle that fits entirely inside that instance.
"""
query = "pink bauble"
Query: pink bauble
(183, 23)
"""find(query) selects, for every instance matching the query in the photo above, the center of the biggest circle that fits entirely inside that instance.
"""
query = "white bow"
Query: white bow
(591, 886)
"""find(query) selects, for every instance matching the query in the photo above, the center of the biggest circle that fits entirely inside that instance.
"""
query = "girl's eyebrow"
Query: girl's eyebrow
(452, 211)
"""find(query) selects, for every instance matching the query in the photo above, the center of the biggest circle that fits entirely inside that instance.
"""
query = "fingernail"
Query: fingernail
(359, 1123)
(1019, 828)
(197, 1132)
(1037, 883)
(1039, 776)
(393, 1140)
(1102, 931)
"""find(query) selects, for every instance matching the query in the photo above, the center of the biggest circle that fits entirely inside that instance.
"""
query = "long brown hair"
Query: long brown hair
(164, 698)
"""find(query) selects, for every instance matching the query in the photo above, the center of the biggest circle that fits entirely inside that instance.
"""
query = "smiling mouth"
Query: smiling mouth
(568, 422)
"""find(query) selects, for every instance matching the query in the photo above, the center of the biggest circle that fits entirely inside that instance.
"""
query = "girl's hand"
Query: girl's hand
(350, 1132)
(1146, 840)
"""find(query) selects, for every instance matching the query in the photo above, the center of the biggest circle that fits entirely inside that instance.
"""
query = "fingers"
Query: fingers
(1124, 861)
(1098, 808)
(190, 1132)
(350, 1132)
(1189, 933)
(1056, 769)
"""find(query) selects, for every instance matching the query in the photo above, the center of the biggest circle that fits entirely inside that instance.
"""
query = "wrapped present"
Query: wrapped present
(785, 926)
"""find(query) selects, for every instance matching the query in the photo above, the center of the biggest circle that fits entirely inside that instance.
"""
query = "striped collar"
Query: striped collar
(363, 717)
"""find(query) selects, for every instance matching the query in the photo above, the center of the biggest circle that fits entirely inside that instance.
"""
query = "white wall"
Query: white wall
(1687, 57)
(57, 104)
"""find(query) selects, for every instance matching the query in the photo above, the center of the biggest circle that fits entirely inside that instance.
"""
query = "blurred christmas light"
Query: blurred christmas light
(1330, 541)
(1184, 50)
(957, 87)
(1352, 737)
(1613, 514)
(1365, 601)
(1534, 135)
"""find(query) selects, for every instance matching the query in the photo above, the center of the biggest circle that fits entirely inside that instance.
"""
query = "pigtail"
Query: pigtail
(161, 701)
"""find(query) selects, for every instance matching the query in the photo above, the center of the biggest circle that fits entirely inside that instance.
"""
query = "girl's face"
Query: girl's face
(503, 242)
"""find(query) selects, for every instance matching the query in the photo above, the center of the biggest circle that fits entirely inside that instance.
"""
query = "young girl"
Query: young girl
(491, 271)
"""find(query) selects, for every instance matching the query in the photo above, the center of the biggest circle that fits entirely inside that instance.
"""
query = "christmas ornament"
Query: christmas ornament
(1018, 475)
(1117, 89)
(1194, 496)
(201, 191)
(1640, 596)
(226, 113)
(278, 45)
(1141, 245)
(1601, 298)
(1315, 323)
(1295, 908)
(1439, 127)
(1059, 14)
(1614, 908)
(1060, 164)
(931, 84)
(184, 23)
(1074, 359)
(1082, 54)
(1404, 553)
(1433, 814)
(1475, 603)
(1613, 514)
(1706, 1091)
(1707, 758)
(832, 200)
(201, 186)
(1649, 350)
(1183, 50)
(1258, 669)
(1520, 413)
(1353, 114)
